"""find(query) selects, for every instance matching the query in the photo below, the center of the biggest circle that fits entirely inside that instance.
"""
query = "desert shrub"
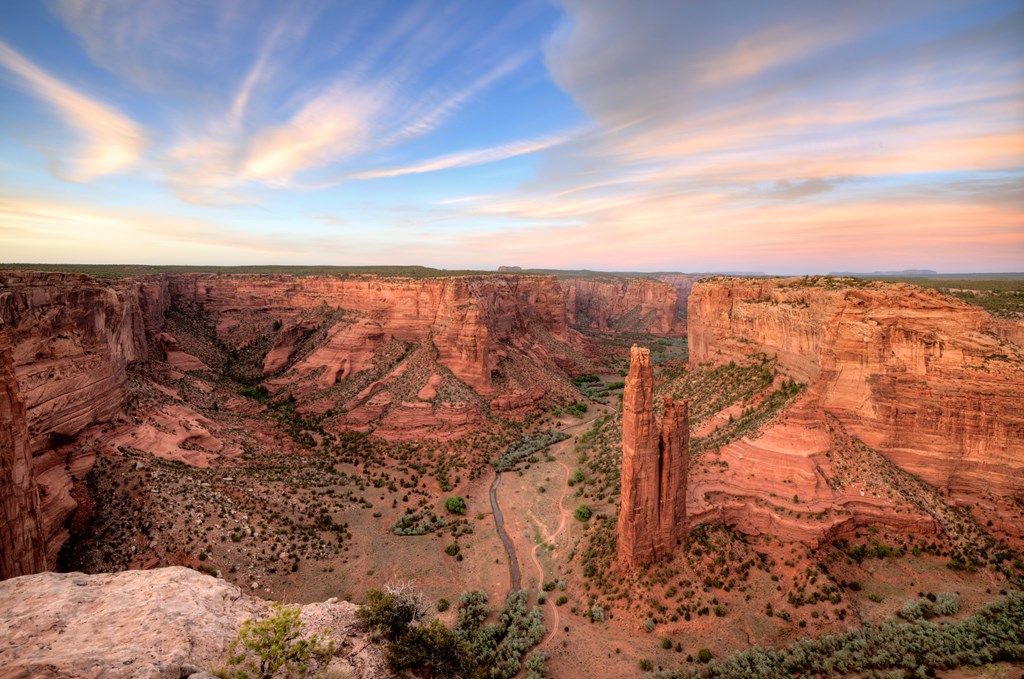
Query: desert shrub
(417, 524)
(452, 549)
(947, 603)
(905, 648)
(389, 612)
(431, 647)
(536, 665)
(455, 504)
(259, 393)
(583, 513)
(499, 646)
(704, 655)
(263, 647)
(527, 445)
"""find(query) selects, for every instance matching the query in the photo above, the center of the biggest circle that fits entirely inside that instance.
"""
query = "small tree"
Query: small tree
(583, 513)
(275, 643)
(455, 504)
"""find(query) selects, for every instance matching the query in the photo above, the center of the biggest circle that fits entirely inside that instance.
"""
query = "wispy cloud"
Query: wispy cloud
(470, 158)
(110, 141)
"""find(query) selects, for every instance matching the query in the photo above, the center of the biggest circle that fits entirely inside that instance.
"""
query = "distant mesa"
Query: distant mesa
(652, 509)
(905, 273)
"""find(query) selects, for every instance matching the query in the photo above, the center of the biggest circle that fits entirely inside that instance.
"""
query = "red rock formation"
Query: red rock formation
(176, 357)
(652, 509)
(72, 337)
(466, 318)
(683, 283)
(624, 305)
(922, 377)
(22, 539)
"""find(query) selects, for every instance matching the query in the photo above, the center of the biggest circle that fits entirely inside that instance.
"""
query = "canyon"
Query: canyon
(297, 437)
(482, 345)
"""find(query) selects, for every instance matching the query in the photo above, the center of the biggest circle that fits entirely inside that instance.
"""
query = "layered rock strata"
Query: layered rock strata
(652, 509)
(925, 379)
(466, 318)
(22, 539)
(71, 339)
(624, 305)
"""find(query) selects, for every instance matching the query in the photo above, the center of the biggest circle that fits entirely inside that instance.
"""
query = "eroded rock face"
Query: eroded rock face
(71, 338)
(624, 305)
(166, 622)
(22, 539)
(924, 378)
(683, 283)
(652, 509)
(464, 317)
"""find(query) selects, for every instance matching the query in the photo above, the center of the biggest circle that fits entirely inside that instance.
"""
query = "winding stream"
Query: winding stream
(499, 521)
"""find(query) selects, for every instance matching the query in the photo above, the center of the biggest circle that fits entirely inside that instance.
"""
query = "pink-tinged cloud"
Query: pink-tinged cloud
(109, 141)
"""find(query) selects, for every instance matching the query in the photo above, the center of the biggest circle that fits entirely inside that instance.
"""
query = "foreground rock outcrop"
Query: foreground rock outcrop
(168, 622)
(652, 510)
(923, 378)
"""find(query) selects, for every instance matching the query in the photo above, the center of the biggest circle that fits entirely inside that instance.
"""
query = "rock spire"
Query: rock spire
(652, 508)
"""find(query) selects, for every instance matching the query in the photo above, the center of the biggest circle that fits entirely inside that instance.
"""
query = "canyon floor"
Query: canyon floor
(243, 490)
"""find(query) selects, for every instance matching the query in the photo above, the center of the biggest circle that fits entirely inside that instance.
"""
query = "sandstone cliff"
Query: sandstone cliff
(72, 337)
(652, 508)
(466, 318)
(168, 622)
(22, 539)
(624, 305)
(683, 283)
(921, 377)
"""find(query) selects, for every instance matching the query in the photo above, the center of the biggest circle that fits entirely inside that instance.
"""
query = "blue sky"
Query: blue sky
(784, 137)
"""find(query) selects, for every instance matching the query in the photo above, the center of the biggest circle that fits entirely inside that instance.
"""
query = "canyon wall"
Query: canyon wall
(22, 540)
(466, 318)
(683, 283)
(71, 338)
(652, 508)
(638, 305)
(922, 377)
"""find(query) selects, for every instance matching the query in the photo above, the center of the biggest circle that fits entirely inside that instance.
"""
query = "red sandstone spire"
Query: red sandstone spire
(652, 509)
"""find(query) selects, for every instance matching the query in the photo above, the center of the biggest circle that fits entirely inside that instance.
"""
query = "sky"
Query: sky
(782, 137)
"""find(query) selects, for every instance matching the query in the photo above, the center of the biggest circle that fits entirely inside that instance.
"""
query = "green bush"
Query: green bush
(432, 647)
(275, 643)
(536, 665)
(897, 648)
(452, 549)
(455, 504)
(583, 513)
(259, 393)
(704, 655)
(389, 613)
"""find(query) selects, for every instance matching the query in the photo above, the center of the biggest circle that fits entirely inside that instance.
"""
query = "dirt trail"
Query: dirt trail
(564, 524)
